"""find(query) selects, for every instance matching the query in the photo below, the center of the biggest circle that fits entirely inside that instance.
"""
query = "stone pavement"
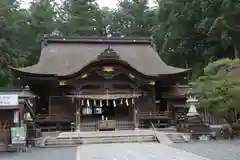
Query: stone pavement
(133, 151)
(214, 150)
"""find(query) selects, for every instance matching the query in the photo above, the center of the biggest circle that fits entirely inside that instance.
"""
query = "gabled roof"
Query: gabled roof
(66, 56)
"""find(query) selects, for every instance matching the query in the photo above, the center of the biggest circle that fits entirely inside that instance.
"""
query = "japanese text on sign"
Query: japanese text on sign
(8, 100)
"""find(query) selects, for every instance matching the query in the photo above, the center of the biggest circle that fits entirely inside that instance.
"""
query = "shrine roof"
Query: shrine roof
(66, 56)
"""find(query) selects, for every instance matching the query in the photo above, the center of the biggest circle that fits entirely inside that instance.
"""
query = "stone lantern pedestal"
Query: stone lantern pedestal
(192, 121)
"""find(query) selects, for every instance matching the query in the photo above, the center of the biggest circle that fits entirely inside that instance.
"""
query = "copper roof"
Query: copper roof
(63, 57)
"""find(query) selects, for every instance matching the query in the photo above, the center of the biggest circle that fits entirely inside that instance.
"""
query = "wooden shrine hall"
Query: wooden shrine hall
(90, 83)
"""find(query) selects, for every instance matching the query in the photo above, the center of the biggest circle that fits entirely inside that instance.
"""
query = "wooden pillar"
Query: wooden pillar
(50, 107)
(135, 117)
(78, 115)
(154, 97)
(169, 114)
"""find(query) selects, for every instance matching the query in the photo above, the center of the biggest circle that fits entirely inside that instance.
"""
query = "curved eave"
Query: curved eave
(29, 71)
(125, 64)
(24, 71)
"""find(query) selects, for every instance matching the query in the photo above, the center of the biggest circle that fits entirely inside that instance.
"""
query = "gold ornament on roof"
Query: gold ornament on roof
(84, 75)
(131, 75)
(108, 69)
(152, 83)
(62, 83)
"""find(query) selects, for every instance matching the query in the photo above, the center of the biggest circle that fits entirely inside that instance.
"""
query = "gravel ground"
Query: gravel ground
(42, 154)
(214, 150)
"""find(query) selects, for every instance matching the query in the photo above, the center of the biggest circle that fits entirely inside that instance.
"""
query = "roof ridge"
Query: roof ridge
(95, 39)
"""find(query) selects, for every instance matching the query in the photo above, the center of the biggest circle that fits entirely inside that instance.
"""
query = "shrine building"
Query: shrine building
(91, 83)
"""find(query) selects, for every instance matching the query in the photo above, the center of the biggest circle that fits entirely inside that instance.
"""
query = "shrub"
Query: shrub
(236, 126)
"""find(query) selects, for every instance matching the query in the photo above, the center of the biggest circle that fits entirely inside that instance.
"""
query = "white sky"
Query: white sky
(102, 3)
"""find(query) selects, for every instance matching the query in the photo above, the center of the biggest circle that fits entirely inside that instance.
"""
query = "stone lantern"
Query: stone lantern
(191, 102)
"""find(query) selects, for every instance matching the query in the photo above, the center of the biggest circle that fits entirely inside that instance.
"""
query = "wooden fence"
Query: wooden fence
(5, 133)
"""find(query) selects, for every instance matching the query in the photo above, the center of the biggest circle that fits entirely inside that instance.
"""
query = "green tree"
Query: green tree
(81, 18)
(11, 53)
(132, 18)
(41, 22)
(218, 89)
(182, 33)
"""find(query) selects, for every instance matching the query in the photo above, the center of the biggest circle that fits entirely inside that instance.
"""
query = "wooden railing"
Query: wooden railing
(54, 117)
(145, 115)
(5, 133)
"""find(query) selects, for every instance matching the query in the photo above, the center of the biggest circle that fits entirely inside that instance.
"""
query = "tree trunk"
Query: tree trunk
(235, 52)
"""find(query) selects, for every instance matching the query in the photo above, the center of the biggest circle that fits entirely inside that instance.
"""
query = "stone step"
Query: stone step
(177, 138)
(53, 142)
(2, 147)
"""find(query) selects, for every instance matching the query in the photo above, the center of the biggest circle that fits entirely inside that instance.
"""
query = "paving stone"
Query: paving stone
(134, 151)
(214, 150)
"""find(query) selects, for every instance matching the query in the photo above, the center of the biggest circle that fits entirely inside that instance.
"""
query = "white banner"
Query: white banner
(9, 100)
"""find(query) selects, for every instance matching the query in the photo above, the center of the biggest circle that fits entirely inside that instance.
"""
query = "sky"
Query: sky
(102, 3)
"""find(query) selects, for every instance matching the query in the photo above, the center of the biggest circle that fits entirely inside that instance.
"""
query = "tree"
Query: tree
(182, 34)
(81, 18)
(132, 18)
(41, 22)
(218, 89)
(11, 53)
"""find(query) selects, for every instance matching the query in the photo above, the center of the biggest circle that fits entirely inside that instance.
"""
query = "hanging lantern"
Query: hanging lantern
(133, 101)
(121, 102)
(107, 103)
(82, 102)
(94, 102)
(127, 102)
(100, 103)
(88, 104)
(114, 103)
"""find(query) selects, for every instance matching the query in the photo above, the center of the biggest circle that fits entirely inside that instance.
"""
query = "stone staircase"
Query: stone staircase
(178, 137)
(2, 147)
(61, 142)
(65, 139)
(73, 138)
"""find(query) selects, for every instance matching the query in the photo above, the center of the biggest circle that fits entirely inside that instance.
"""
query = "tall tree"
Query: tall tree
(11, 53)
(81, 18)
(132, 18)
(182, 34)
(41, 22)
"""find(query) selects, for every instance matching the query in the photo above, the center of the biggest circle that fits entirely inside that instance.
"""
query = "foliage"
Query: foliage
(188, 34)
(218, 90)
(182, 32)
(236, 126)
(81, 18)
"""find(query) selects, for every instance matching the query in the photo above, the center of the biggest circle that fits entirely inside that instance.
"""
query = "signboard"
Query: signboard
(87, 111)
(9, 100)
(98, 110)
(18, 135)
